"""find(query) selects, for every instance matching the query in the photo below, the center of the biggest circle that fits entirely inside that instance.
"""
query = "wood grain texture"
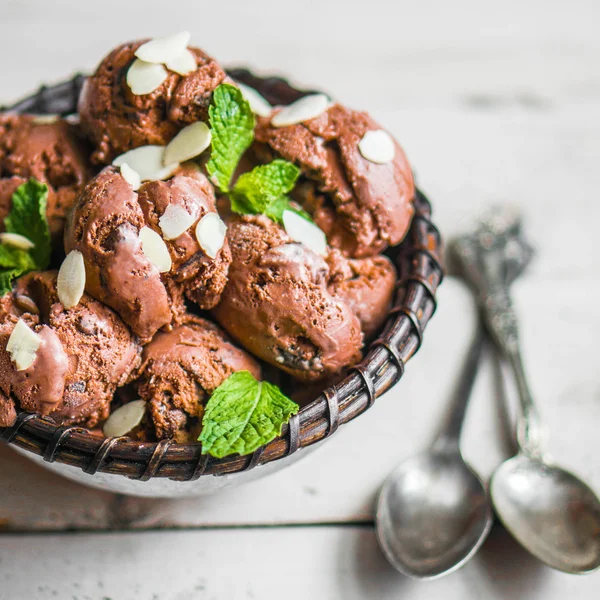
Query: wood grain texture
(493, 103)
(328, 563)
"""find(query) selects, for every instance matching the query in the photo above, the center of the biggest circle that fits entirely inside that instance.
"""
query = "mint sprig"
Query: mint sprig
(27, 217)
(242, 415)
(262, 188)
(265, 188)
(232, 131)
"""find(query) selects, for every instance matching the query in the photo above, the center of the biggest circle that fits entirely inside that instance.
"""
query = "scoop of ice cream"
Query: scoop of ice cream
(117, 120)
(181, 369)
(277, 305)
(86, 353)
(362, 206)
(366, 285)
(204, 277)
(105, 227)
(53, 153)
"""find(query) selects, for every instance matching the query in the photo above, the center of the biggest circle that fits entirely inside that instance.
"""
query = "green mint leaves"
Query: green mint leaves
(242, 415)
(27, 217)
(265, 188)
(232, 128)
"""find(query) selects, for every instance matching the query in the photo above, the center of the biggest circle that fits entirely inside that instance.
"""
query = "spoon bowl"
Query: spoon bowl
(553, 514)
(433, 514)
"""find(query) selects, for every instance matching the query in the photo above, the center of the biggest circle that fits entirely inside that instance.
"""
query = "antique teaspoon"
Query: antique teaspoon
(548, 510)
(433, 511)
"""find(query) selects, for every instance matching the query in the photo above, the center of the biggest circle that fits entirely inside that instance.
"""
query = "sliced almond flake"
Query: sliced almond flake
(70, 283)
(182, 64)
(147, 162)
(23, 345)
(16, 240)
(45, 119)
(73, 119)
(377, 147)
(175, 221)
(305, 232)
(302, 110)
(190, 142)
(27, 304)
(131, 176)
(155, 249)
(145, 77)
(124, 419)
(210, 233)
(257, 103)
(162, 49)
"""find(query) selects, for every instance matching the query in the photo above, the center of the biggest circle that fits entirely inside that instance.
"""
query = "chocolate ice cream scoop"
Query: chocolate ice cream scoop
(118, 120)
(181, 369)
(51, 152)
(85, 354)
(277, 305)
(107, 226)
(363, 206)
(366, 285)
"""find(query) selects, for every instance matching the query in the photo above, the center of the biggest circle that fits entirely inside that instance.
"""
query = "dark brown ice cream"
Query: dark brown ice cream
(104, 226)
(366, 285)
(87, 352)
(277, 305)
(363, 207)
(53, 153)
(181, 369)
(118, 120)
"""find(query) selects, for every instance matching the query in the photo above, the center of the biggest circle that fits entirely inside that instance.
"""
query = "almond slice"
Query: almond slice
(302, 110)
(210, 233)
(144, 77)
(175, 221)
(188, 143)
(23, 345)
(45, 119)
(155, 249)
(257, 103)
(377, 147)
(124, 419)
(70, 283)
(131, 176)
(147, 162)
(16, 240)
(26, 304)
(162, 49)
(183, 63)
(305, 232)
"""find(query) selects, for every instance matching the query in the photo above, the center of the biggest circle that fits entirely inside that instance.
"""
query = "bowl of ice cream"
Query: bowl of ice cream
(204, 273)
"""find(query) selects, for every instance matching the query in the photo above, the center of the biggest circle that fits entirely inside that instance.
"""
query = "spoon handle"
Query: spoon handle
(501, 321)
(450, 435)
(490, 259)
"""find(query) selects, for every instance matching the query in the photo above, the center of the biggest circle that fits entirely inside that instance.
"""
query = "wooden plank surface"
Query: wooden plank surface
(325, 563)
(493, 103)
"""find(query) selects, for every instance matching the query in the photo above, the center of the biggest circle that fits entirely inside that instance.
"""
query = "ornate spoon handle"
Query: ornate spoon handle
(490, 259)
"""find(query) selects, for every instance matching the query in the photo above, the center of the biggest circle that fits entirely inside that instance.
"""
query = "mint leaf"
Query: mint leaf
(15, 258)
(242, 415)
(28, 217)
(264, 186)
(232, 129)
(275, 210)
(7, 278)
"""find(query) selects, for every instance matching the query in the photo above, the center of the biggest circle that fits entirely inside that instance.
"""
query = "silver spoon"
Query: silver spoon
(550, 512)
(433, 511)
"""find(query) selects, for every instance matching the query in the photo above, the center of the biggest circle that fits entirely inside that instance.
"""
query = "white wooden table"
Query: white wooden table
(492, 104)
